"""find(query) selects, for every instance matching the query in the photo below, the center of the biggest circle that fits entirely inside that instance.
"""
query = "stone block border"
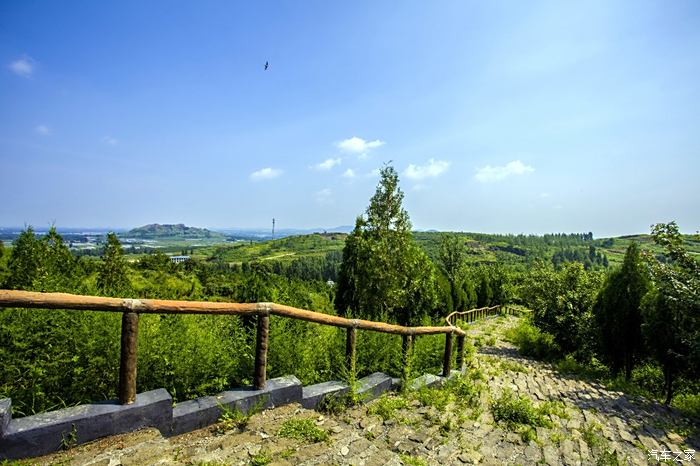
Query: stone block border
(52, 431)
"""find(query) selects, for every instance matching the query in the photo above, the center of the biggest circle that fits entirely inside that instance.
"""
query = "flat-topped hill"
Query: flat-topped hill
(157, 231)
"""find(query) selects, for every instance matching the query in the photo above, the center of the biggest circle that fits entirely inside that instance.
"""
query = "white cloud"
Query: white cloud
(23, 67)
(324, 197)
(373, 173)
(43, 130)
(359, 146)
(349, 173)
(432, 169)
(490, 174)
(110, 140)
(327, 164)
(265, 174)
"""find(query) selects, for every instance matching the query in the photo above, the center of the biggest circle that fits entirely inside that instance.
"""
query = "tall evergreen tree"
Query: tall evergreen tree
(26, 261)
(617, 313)
(59, 271)
(112, 279)
(452, 260)
(384, 274)
(484, 294)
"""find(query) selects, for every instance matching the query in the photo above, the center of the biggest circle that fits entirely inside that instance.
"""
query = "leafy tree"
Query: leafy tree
(157, 260)
(384, 274)
(113, 279)
(617, 312)
(562, 304)
(671, 312)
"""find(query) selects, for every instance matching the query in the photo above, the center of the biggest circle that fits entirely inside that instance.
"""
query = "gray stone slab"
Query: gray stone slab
(373, 385)
(313, 395)
(425, 380)
(5, 414)
(48, 432)
(202, 412)
(396, 383)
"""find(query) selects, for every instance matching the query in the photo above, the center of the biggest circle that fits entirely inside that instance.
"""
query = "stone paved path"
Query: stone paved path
(589, 425)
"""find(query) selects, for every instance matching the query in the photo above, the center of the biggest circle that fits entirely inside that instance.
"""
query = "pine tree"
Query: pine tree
(384, 274)
(59, 268)
(26, 261)
(453, 259)
(617, 313)
(112, 279)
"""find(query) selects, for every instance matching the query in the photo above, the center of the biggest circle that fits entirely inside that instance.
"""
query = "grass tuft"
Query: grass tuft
(303, 429)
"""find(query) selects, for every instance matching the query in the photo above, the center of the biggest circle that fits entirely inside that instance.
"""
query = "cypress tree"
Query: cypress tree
(618, 315)
(384, 274)
(112, 279)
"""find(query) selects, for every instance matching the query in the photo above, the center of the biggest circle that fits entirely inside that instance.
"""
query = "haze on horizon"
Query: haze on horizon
(501, 117)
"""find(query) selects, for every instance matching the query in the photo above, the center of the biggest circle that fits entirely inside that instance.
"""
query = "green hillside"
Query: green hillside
(481, 247)
(281, 250)
(158, 231)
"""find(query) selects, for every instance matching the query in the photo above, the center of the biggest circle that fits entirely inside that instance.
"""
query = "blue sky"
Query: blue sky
(520, 117)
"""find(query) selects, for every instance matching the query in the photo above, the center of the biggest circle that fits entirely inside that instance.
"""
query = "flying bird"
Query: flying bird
(267, 65)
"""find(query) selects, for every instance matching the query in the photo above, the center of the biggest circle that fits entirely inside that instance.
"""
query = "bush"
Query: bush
(517, 410)
(532, 342)
(688, 404)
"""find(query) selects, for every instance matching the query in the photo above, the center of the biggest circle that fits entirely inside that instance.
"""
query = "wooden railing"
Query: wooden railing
(472, 316)
(131, 308)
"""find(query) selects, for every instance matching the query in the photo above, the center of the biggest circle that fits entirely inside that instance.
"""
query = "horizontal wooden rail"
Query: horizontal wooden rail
(31, 299)
(480, 312)
(131, 308)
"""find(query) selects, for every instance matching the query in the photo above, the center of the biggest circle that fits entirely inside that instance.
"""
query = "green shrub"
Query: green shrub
(688, 404)
(517, 410)
(467, 390)
(532, 342)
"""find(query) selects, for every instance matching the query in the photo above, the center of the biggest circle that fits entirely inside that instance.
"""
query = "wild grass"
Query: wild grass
(515, 411)
(303, 429)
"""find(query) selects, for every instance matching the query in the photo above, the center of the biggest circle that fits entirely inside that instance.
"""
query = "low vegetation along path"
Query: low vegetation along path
(506, 410)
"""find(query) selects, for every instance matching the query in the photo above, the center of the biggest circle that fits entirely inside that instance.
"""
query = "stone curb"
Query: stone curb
(48, 432)
(202, 412)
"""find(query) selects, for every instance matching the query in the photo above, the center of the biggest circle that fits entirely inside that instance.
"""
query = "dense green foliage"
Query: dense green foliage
(384, 274)
(52, 358)
(618, 315)
(671, 311)
(562, 302)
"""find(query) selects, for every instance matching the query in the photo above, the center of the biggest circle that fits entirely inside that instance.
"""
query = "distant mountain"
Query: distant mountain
(155, 231)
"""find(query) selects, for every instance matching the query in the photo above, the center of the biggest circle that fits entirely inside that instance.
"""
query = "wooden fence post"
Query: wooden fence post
(350, 351)
(460, 353)
(261, 350)
(447, 361)
(407, 351)
(127, 363)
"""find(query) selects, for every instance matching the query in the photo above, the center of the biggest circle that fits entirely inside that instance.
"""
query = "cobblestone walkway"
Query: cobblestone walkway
(590, 425)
